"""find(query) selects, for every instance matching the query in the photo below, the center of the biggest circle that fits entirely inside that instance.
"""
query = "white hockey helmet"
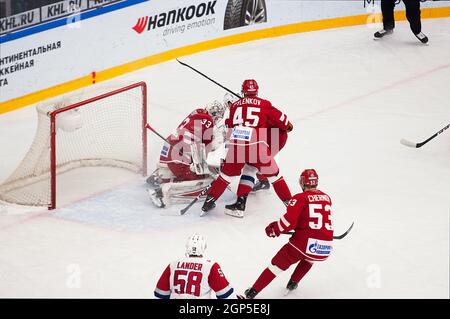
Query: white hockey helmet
(196, 245)
(215, 109)
(229, 99)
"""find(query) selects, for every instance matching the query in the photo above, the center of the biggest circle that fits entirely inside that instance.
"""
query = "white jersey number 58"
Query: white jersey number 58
(315, 212)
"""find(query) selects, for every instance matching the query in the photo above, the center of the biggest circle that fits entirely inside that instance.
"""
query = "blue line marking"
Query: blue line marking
(63, 21)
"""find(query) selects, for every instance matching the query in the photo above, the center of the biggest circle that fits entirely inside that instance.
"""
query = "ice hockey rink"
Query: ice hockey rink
(351, 99)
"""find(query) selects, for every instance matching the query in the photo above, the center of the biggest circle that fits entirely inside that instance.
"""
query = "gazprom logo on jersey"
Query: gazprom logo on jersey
(241, 133)
(319, 247)
(177, 16)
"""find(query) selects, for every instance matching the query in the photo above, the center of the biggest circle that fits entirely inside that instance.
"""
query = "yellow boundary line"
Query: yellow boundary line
(35, 97)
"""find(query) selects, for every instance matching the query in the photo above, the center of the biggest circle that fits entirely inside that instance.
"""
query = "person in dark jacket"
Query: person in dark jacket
(412, 14)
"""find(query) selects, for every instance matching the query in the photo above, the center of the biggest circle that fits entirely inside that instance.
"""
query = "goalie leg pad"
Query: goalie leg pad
(182, 192)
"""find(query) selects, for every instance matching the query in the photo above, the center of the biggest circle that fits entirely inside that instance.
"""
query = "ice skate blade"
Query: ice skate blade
(234, 213)
(286, 292)
(203, 213)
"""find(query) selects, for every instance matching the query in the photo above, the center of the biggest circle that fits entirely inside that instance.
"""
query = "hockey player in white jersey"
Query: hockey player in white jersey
(193, 277)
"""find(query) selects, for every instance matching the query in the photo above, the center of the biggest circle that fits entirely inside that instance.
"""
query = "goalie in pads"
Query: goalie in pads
(190, 157)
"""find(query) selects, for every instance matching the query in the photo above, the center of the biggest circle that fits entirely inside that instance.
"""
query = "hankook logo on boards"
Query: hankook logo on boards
(178, 16)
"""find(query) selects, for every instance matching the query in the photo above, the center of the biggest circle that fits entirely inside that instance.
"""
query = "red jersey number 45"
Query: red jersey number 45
(250, 114)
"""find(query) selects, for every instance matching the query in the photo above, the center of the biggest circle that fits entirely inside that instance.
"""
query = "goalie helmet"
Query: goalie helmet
(250, 88)
(229, 99)
(215, 109)
(309, 178)
(196, 245)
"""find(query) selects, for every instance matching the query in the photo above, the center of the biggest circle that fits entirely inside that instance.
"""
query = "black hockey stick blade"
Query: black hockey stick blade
(344, 234)
(417, 145)
(184, 210)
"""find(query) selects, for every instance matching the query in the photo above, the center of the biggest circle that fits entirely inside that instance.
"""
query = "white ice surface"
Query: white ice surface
(351, 99)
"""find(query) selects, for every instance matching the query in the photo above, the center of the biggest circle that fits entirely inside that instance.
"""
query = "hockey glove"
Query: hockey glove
(272, 230)
(290, 127)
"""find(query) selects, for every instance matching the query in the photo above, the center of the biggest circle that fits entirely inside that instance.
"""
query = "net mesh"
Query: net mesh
(106, 132)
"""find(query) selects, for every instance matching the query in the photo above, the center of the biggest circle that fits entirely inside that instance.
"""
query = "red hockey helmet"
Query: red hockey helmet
(309, 178)
(249, 87)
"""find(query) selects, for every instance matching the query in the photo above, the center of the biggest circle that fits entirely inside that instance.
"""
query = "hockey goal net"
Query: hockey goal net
(104, 130)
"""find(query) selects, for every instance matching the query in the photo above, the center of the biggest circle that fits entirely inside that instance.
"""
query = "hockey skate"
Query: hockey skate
(382, 33)
(291, 285)
(422, 37)
(209, 204)
(154, 181)
(156, 196)
(261, 185)
(237, 209)
(250, 293)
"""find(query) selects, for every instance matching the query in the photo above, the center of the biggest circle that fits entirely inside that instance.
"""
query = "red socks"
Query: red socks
(218, 187)
(281, 189)
(264, 279)
(300, 271)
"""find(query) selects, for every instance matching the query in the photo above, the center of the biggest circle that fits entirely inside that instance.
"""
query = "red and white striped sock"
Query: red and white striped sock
(218, 187)
(280, 187)
(246, 184)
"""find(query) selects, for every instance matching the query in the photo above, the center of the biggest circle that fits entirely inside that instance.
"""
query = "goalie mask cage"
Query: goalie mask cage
(106, 130)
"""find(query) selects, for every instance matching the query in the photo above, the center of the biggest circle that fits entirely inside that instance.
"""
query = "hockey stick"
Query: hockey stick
(417, 145)
(334, 237)
(159, 135)
(202, 193)
(223, 87)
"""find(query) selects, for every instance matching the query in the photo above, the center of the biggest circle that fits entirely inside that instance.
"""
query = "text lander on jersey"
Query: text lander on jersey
(195, 276)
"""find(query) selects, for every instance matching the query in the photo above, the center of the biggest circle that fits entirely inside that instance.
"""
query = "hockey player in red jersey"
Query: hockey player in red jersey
(251, 120)
(309, 215)
(276, 140)
(182, 164)
(193, 277)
